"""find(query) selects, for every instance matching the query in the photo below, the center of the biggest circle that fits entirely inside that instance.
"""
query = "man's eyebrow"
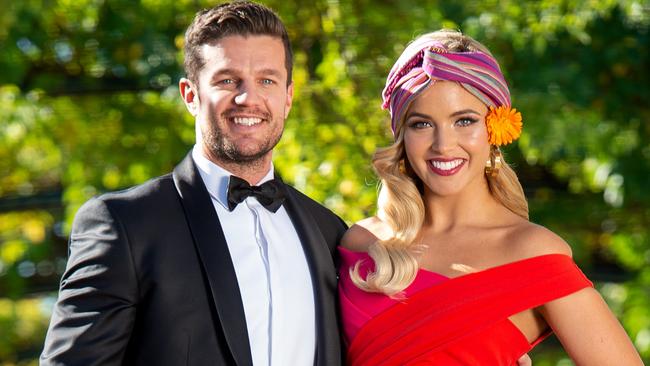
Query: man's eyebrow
(222, 72)
(231, 71)
(270, 72)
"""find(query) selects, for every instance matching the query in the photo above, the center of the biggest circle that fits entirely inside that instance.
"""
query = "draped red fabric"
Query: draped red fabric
(464, 320)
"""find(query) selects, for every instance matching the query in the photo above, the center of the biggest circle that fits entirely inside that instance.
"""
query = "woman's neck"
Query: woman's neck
(473, 206)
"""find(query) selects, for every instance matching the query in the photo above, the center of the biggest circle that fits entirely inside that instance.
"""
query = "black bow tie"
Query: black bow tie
(269, 194)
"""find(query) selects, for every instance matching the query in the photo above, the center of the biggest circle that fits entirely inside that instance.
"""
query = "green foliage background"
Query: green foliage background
(89, 103)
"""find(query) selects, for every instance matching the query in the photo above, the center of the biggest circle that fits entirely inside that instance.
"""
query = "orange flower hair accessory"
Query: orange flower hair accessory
(503, 125)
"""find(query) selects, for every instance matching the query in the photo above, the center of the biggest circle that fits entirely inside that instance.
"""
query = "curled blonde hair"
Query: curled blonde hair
(400, 203)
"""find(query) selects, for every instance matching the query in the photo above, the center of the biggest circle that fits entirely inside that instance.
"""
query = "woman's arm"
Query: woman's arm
(588, 330)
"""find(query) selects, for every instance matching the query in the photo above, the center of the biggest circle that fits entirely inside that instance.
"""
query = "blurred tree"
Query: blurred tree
(88, 103)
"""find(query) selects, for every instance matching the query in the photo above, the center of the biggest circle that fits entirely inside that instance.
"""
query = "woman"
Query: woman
(450, 271)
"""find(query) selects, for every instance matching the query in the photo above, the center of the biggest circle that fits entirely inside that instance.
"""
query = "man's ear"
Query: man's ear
(190, 95)
(289, 101)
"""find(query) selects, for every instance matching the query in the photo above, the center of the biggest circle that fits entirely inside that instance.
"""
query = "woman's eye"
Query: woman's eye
(419, 124)
(466, 121)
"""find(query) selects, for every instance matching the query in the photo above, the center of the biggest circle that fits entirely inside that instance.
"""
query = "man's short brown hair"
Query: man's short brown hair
(240, 18)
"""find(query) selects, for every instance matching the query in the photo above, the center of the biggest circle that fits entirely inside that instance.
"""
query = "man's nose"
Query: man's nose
(248, 94)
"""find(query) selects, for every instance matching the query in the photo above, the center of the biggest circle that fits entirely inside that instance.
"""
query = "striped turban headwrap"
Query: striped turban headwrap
(426, 60)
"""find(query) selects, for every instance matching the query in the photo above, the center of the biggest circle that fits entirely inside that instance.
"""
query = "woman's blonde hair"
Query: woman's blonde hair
(400, 202)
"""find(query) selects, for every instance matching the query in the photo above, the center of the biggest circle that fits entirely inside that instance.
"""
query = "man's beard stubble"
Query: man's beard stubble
(224, 150)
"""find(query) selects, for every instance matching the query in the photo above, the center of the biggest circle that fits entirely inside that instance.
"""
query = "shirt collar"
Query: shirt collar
(216, 178)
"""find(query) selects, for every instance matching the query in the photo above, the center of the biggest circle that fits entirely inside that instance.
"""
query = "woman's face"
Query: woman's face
(445, 139)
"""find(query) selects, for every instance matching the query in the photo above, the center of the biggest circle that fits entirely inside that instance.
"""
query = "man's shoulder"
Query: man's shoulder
(318, 210)
(148, 197)
(141, 204)
(310, 203)
(151, 188)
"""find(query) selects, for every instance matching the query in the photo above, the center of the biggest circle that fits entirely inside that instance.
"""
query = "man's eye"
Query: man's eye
(267, 82)
(225, 82)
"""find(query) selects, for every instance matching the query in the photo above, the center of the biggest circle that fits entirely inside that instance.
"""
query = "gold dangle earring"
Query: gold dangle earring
(493, 164)
(402, 167)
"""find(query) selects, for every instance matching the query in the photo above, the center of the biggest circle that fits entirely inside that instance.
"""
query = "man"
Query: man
(197, 267)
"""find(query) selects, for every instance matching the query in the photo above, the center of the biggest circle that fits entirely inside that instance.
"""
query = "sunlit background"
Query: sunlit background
(89, 103)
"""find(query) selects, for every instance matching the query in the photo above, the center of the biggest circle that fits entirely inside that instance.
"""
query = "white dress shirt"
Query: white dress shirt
(272, 273)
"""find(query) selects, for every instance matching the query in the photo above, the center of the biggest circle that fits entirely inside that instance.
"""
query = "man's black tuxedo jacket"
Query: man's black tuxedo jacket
(150, 281)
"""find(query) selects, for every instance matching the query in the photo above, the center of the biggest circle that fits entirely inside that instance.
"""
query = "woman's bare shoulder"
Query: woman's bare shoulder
(364, 233)
(528, 240)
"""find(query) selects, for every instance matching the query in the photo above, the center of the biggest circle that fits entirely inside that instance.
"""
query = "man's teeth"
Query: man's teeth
(247, 121)
(446, 165)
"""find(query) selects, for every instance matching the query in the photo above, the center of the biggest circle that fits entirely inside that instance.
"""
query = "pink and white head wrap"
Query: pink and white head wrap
(426, 60)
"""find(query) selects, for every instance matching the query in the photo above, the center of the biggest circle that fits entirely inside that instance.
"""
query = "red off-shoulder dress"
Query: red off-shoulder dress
(450, 321)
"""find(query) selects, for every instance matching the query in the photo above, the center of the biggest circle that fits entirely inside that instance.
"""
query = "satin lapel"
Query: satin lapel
(323, 277)
(212, 249)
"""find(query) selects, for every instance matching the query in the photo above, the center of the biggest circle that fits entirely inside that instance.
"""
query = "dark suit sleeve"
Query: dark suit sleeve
(92, 320)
